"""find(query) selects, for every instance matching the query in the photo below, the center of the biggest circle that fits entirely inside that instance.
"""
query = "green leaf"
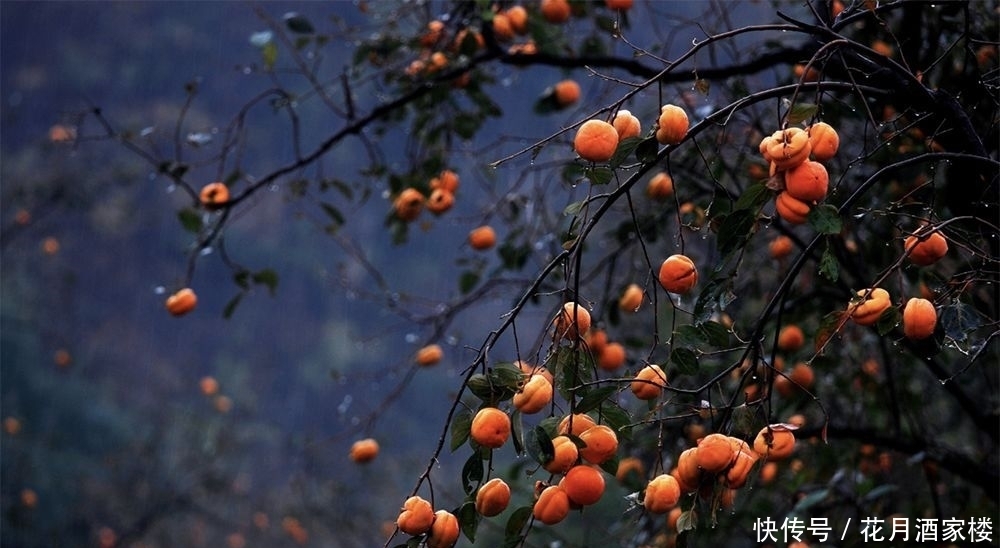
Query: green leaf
(574, 208)
(466, 125)
(888, 320)
(810, 500)
(611, 465)
(516, 522)
(480, 385)
(227, 312)
(467, 281)
(461, 425)
(715, 333)
(715, 297)
(735, 230)
(269, 53)
(599, 175)
(302, 41)
(517, 432)
(513, 256)
(687, 521)
(624, 150)
(647, 149)
(242, 279)
(825, 220)
(594, 398)
(298, 23)
(753, 197)
(828, 266)
(190, 219)
(266, 277)
(468, 520)
(689, 335)
(616, 418)
(879, 492)
(333, 213)
(472, 472)
(685, 360)
(539, 445)
(574, 368)
(801, 112)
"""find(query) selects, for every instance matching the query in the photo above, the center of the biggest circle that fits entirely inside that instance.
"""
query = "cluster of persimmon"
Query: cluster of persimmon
(795, 156)
(919, 314)
(922, 248)
(417, 518)
(597, 140)
(212, 196)
(580, 447)
(439, 47)
(720, 460)
(442, 188)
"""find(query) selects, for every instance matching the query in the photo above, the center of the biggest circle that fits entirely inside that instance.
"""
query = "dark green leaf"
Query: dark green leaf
(647, 149)
(599, 175)
(825, 220)
(178, 169)
(736, 230)
(190, 219)
(575, 367)
(689, 335)
(888, 320)
(801, 112)
(298, 23)
(616, 418)
(467, 281)
(513, 256)
(267, 278)
(715, 297)
(242, 279)
(517, 432)
(227, 312)
(753, 197)
(516, 522)
(472, 472)
(594, 398)
(715, 333)
(611, 465)
(468, 519)
(481, 387)
(465, 125)
(685, 360)
(333, 213)
(461, 424)
(624, 150)
(546, 104)
(539, 445)
(606, 23)
(828, 266)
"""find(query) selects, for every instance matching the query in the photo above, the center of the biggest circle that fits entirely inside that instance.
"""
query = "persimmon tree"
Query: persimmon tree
(714, 284)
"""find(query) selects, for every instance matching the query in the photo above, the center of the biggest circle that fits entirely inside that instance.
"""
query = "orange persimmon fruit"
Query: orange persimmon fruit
(596, 141)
